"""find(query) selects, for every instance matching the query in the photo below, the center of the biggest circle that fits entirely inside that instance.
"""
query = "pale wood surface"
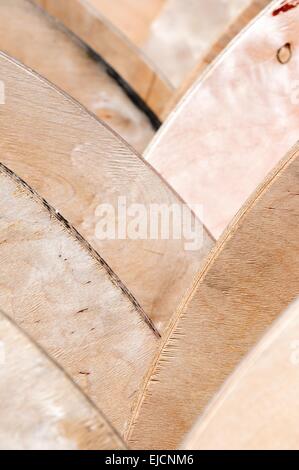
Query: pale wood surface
(36, 40)
(248, 11)
(235, 123)
(174, 34)
(86, 22)
(133, 17)
(62, 294)
(76, 163)
(249, 279)
(40, 407)
(184, 31)
(258, 408)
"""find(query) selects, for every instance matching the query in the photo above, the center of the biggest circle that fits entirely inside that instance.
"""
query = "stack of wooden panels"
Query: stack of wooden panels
(149, 227)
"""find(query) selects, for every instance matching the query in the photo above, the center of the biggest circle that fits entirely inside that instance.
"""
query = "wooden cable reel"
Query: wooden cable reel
(192, 27)
(87, 23)
(139, 333)
(230, 151)
(123, 43)
(82, 164)
(251, 276)
(61, 292)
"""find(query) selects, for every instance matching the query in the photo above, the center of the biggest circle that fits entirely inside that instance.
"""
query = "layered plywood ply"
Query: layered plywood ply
(40, 407)
(249, 279)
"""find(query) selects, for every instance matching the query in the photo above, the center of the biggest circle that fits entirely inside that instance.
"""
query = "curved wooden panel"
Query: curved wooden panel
(241, 19)
(40, 407)
(174, 34)
(249, 279)
(236, 122)
(61, 292)
(80, 166)
(67, 63)
(258, 407)
(87, 23)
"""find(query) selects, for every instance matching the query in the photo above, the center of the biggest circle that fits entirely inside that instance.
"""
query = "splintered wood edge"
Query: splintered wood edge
(85, 245)
(90, 430)
(214, 254)
(243, 20)
(283, 327)
(113, 47)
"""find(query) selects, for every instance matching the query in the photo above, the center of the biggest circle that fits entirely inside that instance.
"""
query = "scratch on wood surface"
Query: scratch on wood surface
(95, 255)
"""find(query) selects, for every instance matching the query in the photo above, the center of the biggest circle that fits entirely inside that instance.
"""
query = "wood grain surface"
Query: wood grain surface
(174, 34)
(58, 56)
(183, 32)
(79, 166)
(237, 120)
(249, 279)
(258, 407)
(62, 293)
(86, 22)
(40, 407)
(226, 32)
(133, 17)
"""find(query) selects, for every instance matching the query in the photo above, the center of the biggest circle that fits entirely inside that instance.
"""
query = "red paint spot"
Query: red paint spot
(286, 6)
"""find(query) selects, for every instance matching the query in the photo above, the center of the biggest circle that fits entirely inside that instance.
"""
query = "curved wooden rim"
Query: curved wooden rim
(86, 22)
(224, 313)
(66, 297)
(94, 167)
(211, 124)
(232, 31)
